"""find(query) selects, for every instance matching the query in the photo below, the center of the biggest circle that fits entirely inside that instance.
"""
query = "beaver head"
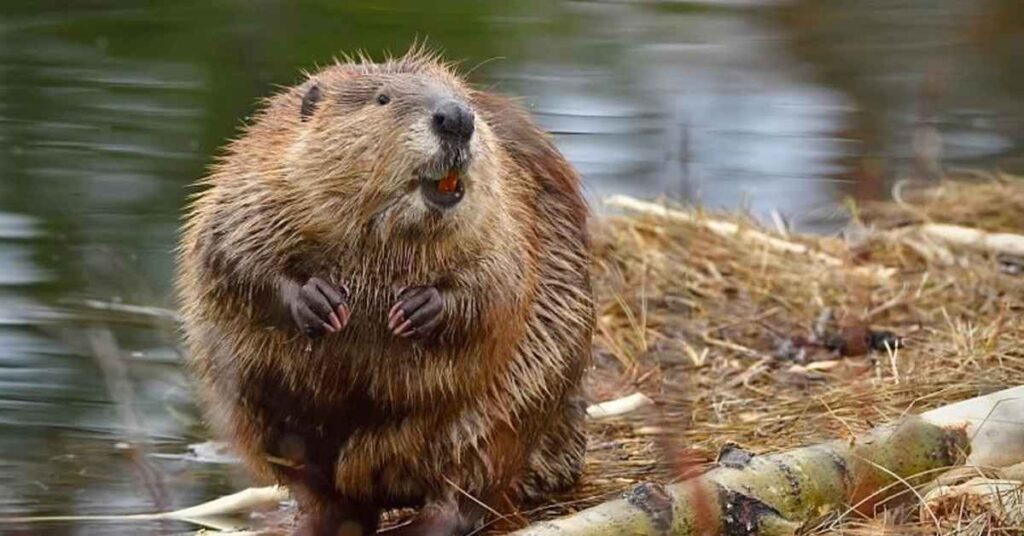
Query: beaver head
(393, 150)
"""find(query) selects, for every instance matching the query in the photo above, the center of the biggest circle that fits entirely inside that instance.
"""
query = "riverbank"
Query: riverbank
(717, 335)
(773, 341)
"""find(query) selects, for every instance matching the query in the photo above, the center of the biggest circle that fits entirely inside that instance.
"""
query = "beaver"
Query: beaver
(387, 300)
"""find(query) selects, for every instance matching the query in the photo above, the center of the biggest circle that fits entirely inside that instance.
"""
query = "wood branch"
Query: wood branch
(733, 230)
(210, 514)
(139, 311)
(778, 493)
(1009, 243)
(994, 422)
(245, 500)
(619, 406)
(722, 228)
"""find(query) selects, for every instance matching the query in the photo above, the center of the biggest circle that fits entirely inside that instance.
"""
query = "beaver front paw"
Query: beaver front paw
(417, 313)
(318, 307)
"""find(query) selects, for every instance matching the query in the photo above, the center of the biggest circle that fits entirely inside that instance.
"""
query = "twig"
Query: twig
(129, 309)
(207, 514)
(732, 230)
(723, 228)
(619, 406)
(1009, 243)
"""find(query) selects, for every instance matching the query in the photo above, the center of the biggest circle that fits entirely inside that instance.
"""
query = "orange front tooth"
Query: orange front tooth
(449, 183)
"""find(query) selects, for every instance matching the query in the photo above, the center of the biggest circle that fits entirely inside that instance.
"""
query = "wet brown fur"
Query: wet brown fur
(492, 405)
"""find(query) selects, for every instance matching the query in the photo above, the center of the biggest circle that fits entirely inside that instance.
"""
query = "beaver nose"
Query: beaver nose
(453, 121)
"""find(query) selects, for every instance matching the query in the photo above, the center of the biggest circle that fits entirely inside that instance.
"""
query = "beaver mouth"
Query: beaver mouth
(444, 190)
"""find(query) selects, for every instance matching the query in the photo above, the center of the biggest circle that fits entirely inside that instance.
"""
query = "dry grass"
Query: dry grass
(738, 343)
(989, 202)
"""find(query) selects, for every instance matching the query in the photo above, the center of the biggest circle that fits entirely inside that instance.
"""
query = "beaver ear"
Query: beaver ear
(309, 102)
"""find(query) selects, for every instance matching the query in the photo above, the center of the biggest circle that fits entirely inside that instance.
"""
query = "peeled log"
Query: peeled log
(729, 229)
(994, 423)
(721, 228)
(1009, 243)
(777, 493)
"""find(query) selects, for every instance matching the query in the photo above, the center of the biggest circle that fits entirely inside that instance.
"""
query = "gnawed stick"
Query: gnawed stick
(723, 228)
(732, 230)
(619, 406)
(994, 423)
(209, 514)
(1009, 243)
(140, 311)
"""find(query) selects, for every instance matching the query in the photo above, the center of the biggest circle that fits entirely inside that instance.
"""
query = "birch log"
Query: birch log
(776, 494)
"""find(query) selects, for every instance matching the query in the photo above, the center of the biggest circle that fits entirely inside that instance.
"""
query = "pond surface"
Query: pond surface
(109, 109)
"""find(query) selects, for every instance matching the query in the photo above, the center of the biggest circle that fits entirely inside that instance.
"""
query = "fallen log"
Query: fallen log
(773, 494)
(777, 494)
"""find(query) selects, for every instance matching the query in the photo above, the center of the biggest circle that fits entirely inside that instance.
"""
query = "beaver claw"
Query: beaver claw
(318, 307)
(417, 313)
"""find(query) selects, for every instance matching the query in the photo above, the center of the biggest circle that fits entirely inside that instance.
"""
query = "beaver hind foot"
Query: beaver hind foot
(557, 463)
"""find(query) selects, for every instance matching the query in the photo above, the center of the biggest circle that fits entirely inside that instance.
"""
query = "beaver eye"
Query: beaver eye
(383, 99)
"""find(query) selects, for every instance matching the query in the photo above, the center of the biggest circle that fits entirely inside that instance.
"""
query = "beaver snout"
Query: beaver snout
(453, 121)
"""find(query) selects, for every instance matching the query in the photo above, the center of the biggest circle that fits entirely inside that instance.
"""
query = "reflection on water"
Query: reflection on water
(110, 109)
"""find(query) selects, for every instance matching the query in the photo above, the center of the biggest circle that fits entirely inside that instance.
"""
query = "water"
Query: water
(110, 108)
